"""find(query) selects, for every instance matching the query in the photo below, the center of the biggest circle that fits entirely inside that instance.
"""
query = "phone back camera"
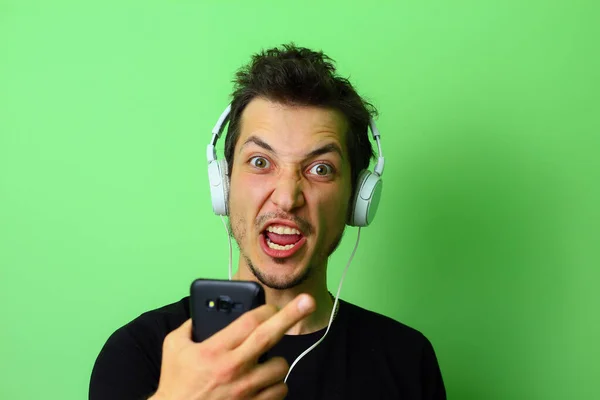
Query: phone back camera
(224, 304)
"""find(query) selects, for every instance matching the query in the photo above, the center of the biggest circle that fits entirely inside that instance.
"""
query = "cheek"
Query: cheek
(247, 193)
(333, 209)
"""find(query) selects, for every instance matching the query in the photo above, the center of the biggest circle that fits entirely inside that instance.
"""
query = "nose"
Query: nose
(288, 194)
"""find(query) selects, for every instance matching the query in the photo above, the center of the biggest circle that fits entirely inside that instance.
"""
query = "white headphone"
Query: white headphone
(365, 202)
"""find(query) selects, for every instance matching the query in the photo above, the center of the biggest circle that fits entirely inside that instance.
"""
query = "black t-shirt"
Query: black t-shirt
(365, 355)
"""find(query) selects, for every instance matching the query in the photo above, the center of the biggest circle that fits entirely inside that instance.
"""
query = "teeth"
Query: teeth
(283, 230)
(279, 247)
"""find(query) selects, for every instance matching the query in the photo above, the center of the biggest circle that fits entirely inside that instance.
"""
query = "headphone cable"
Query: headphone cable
(335, 303)
(229, 240)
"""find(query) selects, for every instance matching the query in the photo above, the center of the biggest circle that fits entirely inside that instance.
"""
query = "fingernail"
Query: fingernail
(305, 303)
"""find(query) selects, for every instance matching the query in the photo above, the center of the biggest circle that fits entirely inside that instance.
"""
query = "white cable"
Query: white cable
(332, 310)
(229, 239)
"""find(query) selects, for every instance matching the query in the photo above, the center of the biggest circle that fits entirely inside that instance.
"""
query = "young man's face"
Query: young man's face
(290, 190)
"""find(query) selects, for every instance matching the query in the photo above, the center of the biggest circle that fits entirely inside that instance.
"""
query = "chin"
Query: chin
(280, 274)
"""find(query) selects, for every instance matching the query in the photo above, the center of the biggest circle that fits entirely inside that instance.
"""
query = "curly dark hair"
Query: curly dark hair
(300, 76)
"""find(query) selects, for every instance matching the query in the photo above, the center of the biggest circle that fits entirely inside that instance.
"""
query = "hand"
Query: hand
(225, 366)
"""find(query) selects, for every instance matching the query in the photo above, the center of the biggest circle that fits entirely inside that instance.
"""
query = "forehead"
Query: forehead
(292, 127)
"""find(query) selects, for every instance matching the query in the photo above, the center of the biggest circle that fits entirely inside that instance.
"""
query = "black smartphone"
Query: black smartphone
(214, 304)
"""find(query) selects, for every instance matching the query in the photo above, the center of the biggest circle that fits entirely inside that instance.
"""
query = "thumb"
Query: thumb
(184, 330)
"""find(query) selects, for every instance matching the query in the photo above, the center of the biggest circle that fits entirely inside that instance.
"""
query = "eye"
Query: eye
(321, 170)
(259, 162)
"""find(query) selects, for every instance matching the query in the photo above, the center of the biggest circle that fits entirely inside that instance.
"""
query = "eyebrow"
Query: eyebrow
(259, 142)
(328, 148)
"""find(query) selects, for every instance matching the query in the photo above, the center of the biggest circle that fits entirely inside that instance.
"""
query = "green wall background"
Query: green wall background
(486, 238)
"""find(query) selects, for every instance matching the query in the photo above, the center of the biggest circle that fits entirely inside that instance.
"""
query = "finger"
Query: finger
(178, 337)
(236, 332)
(263, 376)
(275, 392)
(272, 330)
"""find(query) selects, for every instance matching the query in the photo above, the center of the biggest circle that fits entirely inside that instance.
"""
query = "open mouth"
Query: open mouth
(281, 241)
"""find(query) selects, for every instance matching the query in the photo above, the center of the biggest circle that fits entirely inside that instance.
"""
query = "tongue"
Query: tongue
(283, 240)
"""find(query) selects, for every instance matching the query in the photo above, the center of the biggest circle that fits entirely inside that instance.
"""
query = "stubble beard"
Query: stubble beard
(238, 231)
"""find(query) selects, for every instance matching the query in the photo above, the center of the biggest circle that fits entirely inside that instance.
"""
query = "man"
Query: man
(296, 143)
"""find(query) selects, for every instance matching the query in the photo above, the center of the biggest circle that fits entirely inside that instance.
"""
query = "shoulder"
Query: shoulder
(128, 365)
(383, 334)
(162, 320)
(142, 337)
(373, 323)
(150, 327)
(393, 349)
(154, 324)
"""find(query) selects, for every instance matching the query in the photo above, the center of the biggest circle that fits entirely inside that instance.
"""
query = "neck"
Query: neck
(316, 286)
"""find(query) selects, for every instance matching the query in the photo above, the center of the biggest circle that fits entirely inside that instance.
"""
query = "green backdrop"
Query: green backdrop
(486, 238)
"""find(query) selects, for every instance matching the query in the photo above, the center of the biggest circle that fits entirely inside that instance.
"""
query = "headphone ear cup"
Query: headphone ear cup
(219, 186)
(224, 168)
(366, 199)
